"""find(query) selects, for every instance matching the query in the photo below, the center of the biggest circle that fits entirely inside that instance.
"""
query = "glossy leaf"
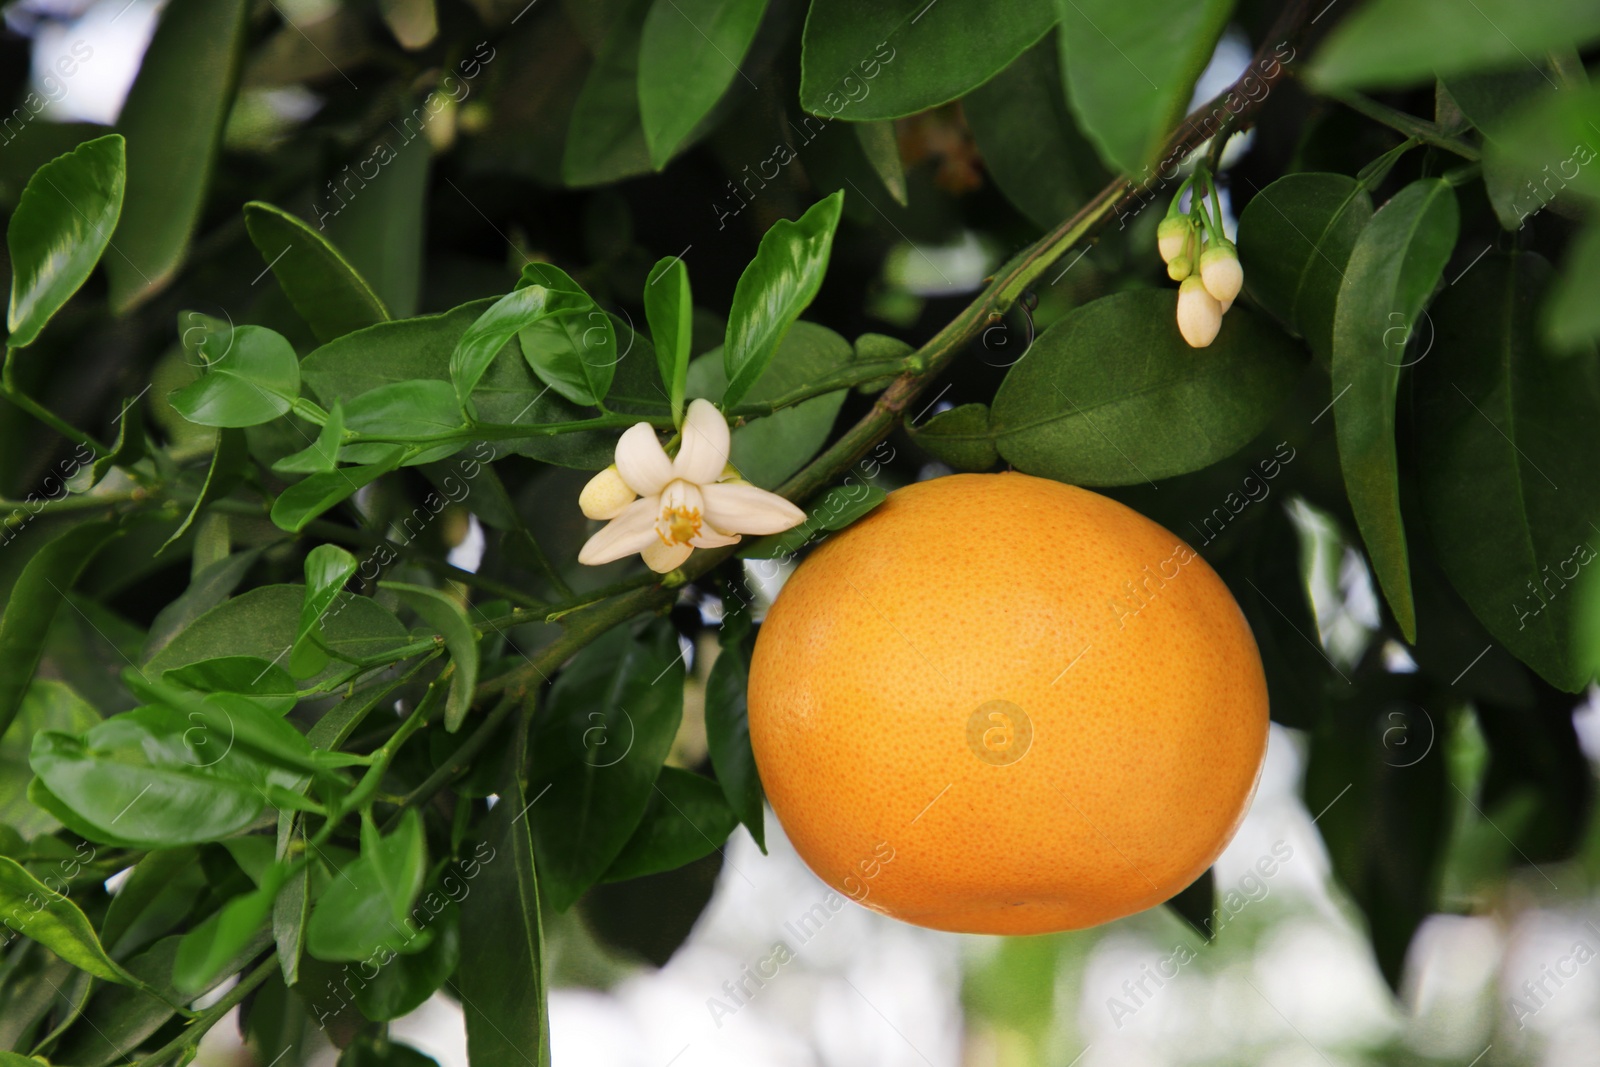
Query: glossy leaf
(1506, 438)
(445, 615)
(669, 308)
(689, 53)
(1395, 265)
(1112, 395)
(45, 915)
(1391, 43)
(503, 992)
(960, 437)
(321, 455)
(405, 982)
(58, 231)
(886, 60)
(1131, 66)
(381, 231)
(157, 895)
(489, 333)
(321, 284)
(268, 685)
(685, 819)
(173, 120)
(228, 459)
(327, 569)
(605, 137)
(774, 289)
(575, 354)
(253, 379)
(1295, 237)
(206, 951)
(411, 411)
(367, 905)
(599, 745)
(728, 731)
(48, 705)
(306, 499)
(32, 605)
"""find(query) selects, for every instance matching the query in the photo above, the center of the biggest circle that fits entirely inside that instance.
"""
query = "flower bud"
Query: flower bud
(606, 495)
(1179, 268)
(1221, 273)
(1199, 313)
(1171, 236)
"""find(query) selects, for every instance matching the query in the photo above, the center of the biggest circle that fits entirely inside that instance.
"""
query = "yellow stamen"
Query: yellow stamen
(682, 525)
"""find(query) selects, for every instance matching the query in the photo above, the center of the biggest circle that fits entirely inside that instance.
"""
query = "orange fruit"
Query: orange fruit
(1001, 704)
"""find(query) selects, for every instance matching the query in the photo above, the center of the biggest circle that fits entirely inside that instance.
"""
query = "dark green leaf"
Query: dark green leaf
(1397, 261)
(1112, 395)
(159, 894)
(48, 705)
(1571, 314)
(1197, 904)
(38, 912)
(364, 1052)
(689, 53)
(367, 905)
(489, 333)
(58, 230)
(173, 121)
(405, 982)
(292, 908)
(576, 355)
(728, 732)
(268, 685)
(685, 819)
(774, 289)
(1400, 42)
(411, 411)
(38, 592)
(130, 446)
(503, 991)
(1552, 137)
(206, 590)
(228, 459)
(899, 57)
(315, 494)
(600, 742)
(1506, 443)
(381, 230)
(1295, 237)
(205, 952)
(445, 614)
(321, 284)
(254, 379)
(669, 308)
(605, 138)
(960, 437)
(1488, 99)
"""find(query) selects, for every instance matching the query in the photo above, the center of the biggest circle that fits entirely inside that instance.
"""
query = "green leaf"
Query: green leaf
(960, 437)
(408, 410)
(159, 894)
(599, 745)
(322, 455)
(405, 982)
(767, 450)
(689, 53)
(685, 819)
(365, 1052)
(1391, 43)
(728, 731)
(292, 907)
(321, 284)
(1031, 145)
(605, 137)
(1112, 395)
(58, 231)
(48, 705)
(254, 379)
(575, 354)
(1131, 66)
(774, 289)
(130, 446)
(228, 460)
(306, 499)
(38, 912)
(881, 145)
(1506, 440)
(1295, 237)
(367, 906)
(503, 993)
(206, 951)
(515, 311)
(268, 685)
(669, 308)
(1552, 137)
(381, 230)
(1488, 99)
(1397, 261)
(31, 607)
(1571, 317)
(173, 120)
(898, 57)
(206, 590)
(327, 569)
(445, 614)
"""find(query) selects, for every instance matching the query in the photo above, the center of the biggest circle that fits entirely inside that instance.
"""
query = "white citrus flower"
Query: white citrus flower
(1199, 313)
(665, 508)
(1220, 270)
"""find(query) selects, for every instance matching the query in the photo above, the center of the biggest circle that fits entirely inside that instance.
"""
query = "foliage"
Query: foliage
(300, 400)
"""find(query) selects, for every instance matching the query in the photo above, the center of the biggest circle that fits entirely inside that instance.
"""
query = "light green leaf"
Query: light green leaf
(61, 226)
(1397, 261)
(48, 705)
(576, 354)
(367, 906)
(1131, 66)
(310, 497)
(490, 332)
(774, 289)
(1571, 313)
(1488, 99)
(409, 410)
(327, 569)
(321, 284)
(252, 376)
(206, 951)
(321, 455)
(689, 53)
(445, 615)
(173, 120)
(897, 57)
(45, 915)
(669, 308)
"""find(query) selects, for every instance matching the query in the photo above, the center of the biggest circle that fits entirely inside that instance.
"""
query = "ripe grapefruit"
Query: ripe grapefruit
(1001, 704)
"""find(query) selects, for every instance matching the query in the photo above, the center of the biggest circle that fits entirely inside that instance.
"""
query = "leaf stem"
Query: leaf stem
(13, 392)
(197, 1028)
(459, 761)
(1420, 129)
(847, 378)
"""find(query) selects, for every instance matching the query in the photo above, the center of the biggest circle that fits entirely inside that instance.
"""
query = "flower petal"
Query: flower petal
(745, 509)
(711, 538)
(705, 444)
(632, 531)
(606, 495)
(663, 558)
(641, 460)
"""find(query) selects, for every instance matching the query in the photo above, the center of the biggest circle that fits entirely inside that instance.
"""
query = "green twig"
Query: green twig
(1420, 129)
(197, 1028)
(459, 760)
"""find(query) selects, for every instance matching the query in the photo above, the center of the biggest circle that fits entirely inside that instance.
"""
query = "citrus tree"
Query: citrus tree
(409, 403)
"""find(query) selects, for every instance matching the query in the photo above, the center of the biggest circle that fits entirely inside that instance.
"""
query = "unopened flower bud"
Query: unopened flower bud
(1199, 313)
(606, 495)
(1180, 268)
(1171, 236)
(1221, 273)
